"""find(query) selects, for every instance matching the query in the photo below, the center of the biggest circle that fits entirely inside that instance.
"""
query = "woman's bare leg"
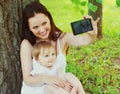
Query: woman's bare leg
(74, 90)
(55, 90)
(72, 79)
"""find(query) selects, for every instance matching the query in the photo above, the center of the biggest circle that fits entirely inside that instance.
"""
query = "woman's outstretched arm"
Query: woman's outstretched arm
(83, 39)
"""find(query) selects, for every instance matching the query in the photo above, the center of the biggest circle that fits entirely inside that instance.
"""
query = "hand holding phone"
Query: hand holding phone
(81, 26)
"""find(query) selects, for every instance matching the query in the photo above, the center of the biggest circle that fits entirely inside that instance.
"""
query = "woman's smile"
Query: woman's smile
(43, 33)
(40, 25)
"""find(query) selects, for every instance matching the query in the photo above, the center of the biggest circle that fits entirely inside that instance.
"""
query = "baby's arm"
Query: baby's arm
(60, 73)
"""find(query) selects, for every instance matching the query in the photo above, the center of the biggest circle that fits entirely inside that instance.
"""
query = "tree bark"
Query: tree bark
(10, 39)
(97, 14)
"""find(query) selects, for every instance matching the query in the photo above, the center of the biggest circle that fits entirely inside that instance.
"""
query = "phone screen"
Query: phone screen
(81, 26)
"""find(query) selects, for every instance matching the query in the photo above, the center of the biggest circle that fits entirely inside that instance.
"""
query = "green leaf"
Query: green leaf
(82, 11)
(83, 3)
(118, 3)
(76, 2)
(92, 7)
(99, 1)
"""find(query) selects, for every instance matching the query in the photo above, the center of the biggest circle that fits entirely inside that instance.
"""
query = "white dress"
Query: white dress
(37, 69)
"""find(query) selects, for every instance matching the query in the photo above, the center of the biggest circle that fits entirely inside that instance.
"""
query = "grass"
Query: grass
(97, 65)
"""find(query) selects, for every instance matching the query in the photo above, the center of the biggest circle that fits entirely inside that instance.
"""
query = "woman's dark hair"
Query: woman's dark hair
(28, 12)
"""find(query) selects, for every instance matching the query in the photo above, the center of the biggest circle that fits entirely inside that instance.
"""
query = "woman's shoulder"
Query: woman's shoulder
(64, 35)
(64, 41)
(25, 43)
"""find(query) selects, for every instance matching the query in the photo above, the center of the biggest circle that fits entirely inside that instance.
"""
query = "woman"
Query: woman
(38, 25)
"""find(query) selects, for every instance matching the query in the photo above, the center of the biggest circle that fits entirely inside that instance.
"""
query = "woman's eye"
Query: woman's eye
(35, 27)
(44, 23)
(53, 54)
(46, 55)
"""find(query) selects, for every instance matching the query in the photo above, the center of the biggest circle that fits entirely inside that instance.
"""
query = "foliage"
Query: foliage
(92, 7)
(80, 4)
(99, 1)
(98, 65)
(83, 3)
(118, 3)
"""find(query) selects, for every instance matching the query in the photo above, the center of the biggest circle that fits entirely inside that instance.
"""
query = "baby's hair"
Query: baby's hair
(38, 46)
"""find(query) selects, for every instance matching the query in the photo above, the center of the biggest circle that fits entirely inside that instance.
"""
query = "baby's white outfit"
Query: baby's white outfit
(37, 69)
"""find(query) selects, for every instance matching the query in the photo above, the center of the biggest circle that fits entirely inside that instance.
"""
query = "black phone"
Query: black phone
(81, 26)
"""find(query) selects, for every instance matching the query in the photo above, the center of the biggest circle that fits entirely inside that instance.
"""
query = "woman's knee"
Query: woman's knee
(69, 74)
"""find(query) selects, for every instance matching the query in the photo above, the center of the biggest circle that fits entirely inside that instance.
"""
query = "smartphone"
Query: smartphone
(81, 26)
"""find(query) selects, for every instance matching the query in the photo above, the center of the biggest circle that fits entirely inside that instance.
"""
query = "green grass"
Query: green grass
(96, 65)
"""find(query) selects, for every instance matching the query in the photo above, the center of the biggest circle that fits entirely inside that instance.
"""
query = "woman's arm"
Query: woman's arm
(79, 40)
(26, 63)
(82, 39)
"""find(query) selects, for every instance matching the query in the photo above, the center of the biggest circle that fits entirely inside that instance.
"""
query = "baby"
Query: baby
(47, 62)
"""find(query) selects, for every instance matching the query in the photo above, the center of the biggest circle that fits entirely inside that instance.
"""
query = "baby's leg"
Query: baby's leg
(48, 89)
(55, 90)
(75, 82)
(60, 91)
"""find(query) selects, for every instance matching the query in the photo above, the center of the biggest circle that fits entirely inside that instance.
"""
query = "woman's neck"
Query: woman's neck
(38, 39)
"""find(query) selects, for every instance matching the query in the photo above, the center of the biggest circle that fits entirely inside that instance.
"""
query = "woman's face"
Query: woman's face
(40, 25)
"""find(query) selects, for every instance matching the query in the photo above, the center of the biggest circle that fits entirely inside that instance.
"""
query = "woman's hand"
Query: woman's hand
(94, 24)
(68, 87)
(55, 81)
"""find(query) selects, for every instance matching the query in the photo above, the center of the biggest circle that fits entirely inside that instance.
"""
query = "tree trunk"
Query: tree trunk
(10, 39)
(97, 14)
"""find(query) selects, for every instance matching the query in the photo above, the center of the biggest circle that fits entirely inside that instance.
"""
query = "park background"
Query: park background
(96, 65)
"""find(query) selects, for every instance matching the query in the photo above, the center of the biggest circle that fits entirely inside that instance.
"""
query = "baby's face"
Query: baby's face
(47, 57)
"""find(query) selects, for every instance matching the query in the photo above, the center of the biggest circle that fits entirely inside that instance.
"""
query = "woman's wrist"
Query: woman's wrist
(46, 79)
(92, 34)
(92, 37)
